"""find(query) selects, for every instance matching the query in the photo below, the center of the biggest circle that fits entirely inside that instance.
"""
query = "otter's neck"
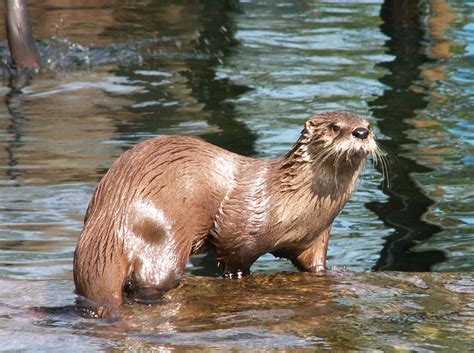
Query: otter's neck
(308, 196)
(304, 172)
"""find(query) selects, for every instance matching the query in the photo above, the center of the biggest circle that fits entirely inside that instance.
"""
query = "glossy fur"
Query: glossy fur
(172, 196)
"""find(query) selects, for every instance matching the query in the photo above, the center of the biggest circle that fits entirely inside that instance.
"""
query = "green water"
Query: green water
(245, 76)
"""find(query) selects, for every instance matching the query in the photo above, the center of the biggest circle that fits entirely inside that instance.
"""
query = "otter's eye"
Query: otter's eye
(335, 127)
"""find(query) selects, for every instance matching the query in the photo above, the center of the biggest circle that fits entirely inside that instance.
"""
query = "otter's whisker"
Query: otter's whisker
(380, 159)
(389, 155)
(337, 161)
(319, 155)
(362, 169)
(324, 156)
(385, 169)
(329, 155)
(351, 148)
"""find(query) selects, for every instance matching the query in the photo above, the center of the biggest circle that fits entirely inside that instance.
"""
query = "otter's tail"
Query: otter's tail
(99, 276)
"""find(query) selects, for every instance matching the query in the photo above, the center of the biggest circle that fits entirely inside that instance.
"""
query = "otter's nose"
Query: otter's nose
(360, 133)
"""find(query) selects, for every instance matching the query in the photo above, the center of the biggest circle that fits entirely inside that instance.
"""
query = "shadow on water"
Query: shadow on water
(217, 39)
(407, 203)
(13, 102)
(214, 42)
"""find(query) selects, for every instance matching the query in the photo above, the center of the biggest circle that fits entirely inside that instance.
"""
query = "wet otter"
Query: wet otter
(171, 196)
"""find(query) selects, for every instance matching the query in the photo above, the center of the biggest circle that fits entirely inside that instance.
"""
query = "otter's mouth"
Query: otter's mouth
(361, 151)
(364, 148)
(348, 151)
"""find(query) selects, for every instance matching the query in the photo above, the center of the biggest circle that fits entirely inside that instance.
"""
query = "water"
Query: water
(295, 312)
(245, 77)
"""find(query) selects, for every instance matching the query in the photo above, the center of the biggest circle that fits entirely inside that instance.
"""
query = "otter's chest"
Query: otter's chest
(299, 219)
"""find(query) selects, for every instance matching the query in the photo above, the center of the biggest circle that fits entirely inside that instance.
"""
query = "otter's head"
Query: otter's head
(338, 138)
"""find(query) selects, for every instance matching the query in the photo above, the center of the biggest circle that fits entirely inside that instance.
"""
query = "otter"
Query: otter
(173, 196)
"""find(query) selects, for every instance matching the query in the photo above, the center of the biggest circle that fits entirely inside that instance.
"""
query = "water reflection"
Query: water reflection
(341, 311)
(17, 120)
(404, 210)
(186, 89)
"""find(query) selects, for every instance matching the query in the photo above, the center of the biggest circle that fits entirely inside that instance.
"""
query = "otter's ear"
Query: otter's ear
(309, 125)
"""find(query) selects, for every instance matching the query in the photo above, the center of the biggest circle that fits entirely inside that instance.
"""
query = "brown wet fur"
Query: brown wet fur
(171, 196)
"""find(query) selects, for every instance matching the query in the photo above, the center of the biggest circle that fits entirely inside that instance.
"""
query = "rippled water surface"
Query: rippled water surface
(245, 76)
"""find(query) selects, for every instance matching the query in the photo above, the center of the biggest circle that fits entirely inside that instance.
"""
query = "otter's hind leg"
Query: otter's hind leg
(155, 271)
(158, 251)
